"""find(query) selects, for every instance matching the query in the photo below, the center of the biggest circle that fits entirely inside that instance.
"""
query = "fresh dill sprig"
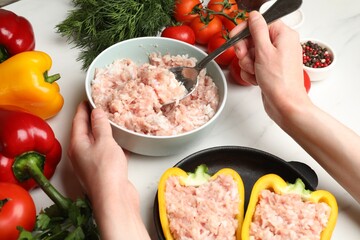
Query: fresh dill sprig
(94, 25)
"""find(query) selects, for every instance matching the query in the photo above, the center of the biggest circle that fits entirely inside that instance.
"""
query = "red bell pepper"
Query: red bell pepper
(29, 154)
(25, 140)
(16, 35)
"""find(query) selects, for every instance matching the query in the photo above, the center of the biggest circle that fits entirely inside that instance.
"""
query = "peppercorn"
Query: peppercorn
(315, 56)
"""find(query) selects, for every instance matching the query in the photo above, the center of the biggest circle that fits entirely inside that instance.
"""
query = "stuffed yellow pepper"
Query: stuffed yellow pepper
(281, 210)
(197, 205)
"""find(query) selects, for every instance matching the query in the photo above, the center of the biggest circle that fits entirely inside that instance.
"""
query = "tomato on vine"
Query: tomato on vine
(307, 82)
(237, 16)
(218, 39)
(205, 27)
(234, 71)
(17, 209)
(186, 10)
(223, 6)
(183, 33)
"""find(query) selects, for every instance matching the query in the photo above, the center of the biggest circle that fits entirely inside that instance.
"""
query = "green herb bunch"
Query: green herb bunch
(75, 223)
(94, 25)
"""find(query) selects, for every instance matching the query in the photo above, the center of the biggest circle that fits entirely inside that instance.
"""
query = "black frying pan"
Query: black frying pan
(250, 163)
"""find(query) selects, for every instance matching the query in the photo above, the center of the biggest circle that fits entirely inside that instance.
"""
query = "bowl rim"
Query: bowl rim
(328, 47)
(220, 108)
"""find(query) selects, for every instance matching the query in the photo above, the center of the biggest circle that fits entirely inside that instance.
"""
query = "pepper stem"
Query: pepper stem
(3, 202)
(29, 165)
(52, 78)
(3, 54)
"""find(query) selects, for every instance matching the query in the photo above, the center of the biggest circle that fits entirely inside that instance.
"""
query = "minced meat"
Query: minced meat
(288, 217)
(132, 96)
(206, 212)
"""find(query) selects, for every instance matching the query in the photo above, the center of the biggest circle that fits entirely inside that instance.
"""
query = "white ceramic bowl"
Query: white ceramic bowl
(318, 74)
(138, 49)
(294, 20)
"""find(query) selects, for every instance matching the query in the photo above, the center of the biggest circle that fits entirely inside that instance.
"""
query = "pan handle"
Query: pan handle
(308, 173)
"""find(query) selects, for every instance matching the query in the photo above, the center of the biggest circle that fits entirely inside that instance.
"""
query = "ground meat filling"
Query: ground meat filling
(287, 217)
(207, 212)
(132, 96)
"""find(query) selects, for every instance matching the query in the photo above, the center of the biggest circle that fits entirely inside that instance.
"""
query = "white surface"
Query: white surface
(243, 122)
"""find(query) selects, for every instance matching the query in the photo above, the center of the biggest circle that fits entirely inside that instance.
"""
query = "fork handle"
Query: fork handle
(279, 9)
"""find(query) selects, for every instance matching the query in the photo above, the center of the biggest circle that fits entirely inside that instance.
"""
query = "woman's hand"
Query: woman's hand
(94, 153)
(272, 59)
(101, 166)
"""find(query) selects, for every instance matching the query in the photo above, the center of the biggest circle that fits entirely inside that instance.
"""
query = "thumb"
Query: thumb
(259, 31)
(100, 124)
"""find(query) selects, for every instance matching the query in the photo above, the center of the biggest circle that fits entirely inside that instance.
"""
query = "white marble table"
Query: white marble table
(243, 122)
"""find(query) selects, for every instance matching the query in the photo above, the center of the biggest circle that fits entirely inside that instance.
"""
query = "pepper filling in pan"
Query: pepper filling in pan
(207, 211)
(287, 216)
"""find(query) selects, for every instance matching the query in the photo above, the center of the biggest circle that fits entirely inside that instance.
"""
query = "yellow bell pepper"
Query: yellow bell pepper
(200, 176)
(277, 185)
(26, 86)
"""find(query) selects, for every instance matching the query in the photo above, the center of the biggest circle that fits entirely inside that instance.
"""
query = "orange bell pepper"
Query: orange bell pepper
(25, 85)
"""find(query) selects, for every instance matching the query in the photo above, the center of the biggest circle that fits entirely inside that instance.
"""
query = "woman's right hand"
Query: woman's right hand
(272, 59)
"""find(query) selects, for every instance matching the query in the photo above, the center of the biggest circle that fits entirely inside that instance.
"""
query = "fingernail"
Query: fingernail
(254, 16)
(98, 113)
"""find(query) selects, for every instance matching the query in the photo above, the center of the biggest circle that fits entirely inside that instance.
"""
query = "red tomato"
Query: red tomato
(205, 29)
(183, 10)
(307, 82)
(183, 33)
(225, 6)
(239, 17)
(234, 70)
(17, 208)
(215, 42)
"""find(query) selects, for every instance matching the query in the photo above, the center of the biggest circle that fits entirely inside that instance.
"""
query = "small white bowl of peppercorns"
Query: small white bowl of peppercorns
(318, 59)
